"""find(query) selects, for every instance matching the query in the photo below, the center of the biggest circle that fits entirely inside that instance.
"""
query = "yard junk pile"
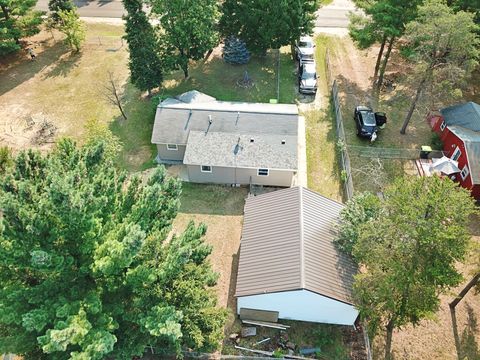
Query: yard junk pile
(300, 340)
(246, 81)
(235, 51)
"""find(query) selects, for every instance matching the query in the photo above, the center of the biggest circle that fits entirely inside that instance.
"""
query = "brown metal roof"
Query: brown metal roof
(287, 244)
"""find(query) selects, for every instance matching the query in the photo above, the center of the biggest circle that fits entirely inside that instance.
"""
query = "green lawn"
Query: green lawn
(322, 161)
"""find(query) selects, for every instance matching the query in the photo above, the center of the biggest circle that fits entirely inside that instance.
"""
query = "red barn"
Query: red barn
(459, 129)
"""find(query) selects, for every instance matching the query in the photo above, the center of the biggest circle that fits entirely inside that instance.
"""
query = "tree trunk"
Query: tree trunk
(388, 341)
(6, 14)
(379, 58)
(384, 65)
(465, 290)
(413, 105)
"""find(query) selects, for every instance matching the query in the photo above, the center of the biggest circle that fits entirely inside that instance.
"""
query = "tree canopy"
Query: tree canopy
(409, 252)
(86, 270)
(443, 45)
(187, 29)
(146, 67)
(265, 24)
(18, 19)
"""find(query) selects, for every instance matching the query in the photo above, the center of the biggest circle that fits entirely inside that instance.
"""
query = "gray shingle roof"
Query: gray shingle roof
(175, 119)
(471, 139)
(233, 150)
(287, 244)
(466, 115)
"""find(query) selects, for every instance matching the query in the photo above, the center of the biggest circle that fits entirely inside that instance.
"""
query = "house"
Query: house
(228, 142)
(459, 128)
(288, 261)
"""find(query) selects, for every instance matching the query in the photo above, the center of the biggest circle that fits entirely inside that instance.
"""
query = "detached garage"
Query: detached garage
(288, 262)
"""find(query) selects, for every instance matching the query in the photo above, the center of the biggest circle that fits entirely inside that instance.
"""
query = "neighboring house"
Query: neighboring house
(288, 261)
(228, 142)
(459, 128)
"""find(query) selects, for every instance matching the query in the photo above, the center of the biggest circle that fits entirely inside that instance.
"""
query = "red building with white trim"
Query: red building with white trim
(459, 128)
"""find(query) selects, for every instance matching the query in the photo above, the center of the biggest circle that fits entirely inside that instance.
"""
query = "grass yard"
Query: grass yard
(67, 90)
(322, 161)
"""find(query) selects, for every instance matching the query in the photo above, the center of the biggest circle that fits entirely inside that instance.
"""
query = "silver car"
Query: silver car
(305, 48)
(307, 77)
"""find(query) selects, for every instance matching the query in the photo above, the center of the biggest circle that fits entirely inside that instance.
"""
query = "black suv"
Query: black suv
(368, 122)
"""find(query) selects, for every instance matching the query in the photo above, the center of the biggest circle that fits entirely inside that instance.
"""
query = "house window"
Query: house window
(206, 168)
(456, 154)
(464, 173)
(262, 172)
(172, 147)
(443, 125)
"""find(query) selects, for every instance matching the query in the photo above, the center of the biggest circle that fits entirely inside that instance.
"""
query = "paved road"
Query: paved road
(94, 8)
(335, 15)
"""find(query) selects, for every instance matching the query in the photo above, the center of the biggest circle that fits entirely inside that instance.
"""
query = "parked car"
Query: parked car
(304, 48)
(307, 77)
(368, 122)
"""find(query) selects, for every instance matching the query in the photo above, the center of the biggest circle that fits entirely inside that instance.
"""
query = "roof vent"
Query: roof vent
(209, 119)
(252, 140)
(283, 142)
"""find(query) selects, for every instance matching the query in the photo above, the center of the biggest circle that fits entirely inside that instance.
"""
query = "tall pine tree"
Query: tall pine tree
(146, 68)
(86, 271)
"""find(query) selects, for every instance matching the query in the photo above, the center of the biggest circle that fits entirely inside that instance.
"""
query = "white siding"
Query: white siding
(301, 305)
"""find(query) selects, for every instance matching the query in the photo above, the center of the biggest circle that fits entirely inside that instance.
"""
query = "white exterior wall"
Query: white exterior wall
(302, 305)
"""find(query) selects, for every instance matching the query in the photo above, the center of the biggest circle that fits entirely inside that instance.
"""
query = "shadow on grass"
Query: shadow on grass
(27, 69)
(466, 344)
(64, 65)
(212, 199)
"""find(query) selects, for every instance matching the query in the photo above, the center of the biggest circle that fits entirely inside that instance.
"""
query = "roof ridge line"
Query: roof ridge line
(302, 260)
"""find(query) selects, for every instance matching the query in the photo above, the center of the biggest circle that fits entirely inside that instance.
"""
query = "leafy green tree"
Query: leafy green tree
(86, 270)
(265, 24)
(58, 5)
(444, 48)
(359, 210)
(18, 19)
(146, 67)
(467, 5)
(188, 29)
(73, 28)
(384, 22)
(410, 251)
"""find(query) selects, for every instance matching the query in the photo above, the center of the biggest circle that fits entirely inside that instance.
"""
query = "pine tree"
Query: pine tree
(18, 19)
(86, 271)
(235, 51)
(146, 68)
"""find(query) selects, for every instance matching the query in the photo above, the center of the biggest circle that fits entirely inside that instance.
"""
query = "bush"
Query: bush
(435, 142)
(359, 210)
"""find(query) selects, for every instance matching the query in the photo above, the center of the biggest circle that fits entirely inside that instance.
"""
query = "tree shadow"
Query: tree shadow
(65, 64)
(27, 69)
(466, 344)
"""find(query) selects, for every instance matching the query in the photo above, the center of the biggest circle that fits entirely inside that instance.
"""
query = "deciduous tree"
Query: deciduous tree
(444, 48)
(188, 29)
(146, 67)
(59, 5)
(18, 19)
(265, 24)
(72, 27)
(409, 253)
(86, 271)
